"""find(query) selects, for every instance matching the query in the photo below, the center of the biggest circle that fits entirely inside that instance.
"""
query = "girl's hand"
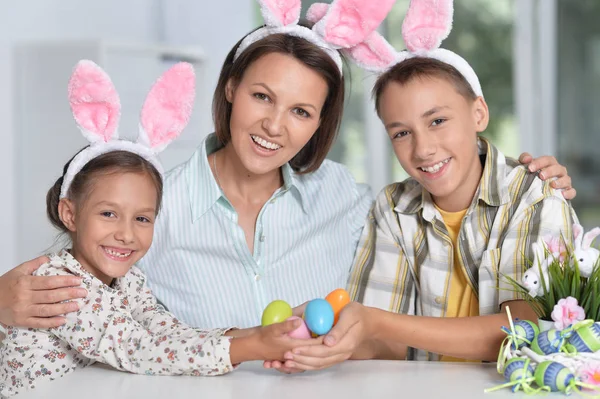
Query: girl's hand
(37, 302)
(351, 334)
(548, 168)
(270, 342)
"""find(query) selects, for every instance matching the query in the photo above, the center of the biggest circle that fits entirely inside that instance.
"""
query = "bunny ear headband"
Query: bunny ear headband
(427, 24)
(96, 108)
(344, 24)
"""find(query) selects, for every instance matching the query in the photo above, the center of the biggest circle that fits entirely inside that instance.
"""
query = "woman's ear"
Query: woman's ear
(66, 212)
(481, 114)
(229, 90)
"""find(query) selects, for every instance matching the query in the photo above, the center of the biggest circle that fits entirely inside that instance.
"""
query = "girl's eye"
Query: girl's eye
(142, 219)
(301, 112)
(261, 96)
(401, 134)
(438, 122)
(108, 214)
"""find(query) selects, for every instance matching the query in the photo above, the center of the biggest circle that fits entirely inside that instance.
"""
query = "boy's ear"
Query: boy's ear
(481, 114)
(66, 212)
(229, 90)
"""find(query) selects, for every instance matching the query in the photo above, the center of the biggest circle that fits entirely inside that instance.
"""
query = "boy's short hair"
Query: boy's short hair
(420, 67)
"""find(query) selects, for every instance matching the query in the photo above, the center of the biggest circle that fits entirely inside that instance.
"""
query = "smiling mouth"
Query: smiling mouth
(435, 168)
(267, 145)
(119, 254)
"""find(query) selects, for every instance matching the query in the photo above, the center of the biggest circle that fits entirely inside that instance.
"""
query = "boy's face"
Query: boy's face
(434, 130)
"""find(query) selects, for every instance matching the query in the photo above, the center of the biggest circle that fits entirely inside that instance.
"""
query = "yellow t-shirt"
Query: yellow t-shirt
(461, 300)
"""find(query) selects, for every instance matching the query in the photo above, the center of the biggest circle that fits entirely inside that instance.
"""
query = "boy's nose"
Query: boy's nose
(425, 146)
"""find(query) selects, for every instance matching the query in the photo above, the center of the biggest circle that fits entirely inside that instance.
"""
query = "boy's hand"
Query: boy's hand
(347, 337)
(37, 302)
(549, 168)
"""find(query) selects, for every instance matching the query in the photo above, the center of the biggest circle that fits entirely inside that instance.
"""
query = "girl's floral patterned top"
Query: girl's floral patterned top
(121, 325)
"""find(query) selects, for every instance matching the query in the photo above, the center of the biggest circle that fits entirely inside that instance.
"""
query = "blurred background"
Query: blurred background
(538, 62)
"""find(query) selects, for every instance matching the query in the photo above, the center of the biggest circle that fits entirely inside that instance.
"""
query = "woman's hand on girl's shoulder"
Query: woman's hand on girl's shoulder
(35, 301)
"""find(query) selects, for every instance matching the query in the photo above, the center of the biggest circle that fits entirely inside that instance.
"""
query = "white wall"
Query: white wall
(214, 28)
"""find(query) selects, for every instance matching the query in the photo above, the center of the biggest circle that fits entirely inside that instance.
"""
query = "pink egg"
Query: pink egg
(301, 332)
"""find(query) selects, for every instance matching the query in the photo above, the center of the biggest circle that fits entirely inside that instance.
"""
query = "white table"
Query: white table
(353, 379)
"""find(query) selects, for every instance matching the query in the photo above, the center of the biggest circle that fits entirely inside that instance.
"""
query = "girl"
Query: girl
(106, 202)
(257, 213)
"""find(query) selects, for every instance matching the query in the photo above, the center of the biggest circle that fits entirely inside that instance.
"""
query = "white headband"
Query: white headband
(427, 24)
(343, 25)
(96, 108)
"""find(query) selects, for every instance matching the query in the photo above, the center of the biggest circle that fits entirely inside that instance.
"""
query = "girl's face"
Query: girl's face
(276, 109)
(112, 227)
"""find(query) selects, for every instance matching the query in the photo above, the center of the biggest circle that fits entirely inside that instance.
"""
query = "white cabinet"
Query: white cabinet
(46, 136)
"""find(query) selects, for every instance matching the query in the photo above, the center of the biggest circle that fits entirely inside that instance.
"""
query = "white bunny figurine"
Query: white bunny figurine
(532, 280)
(585, 256)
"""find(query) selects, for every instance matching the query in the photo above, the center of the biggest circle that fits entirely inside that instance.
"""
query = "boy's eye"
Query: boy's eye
(108, 214)
(438, 121)
(301, 112)
(142, 219)
(401, 134)
(261, 96)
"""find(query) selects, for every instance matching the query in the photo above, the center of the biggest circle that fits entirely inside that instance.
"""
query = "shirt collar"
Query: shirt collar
(204, 191)
(492, 190)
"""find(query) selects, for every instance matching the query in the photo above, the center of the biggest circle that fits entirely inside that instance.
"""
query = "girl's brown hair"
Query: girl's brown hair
(111, 162)
(311, 156)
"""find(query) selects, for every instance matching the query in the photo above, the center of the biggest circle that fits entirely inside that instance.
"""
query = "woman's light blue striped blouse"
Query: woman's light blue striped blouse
(200, 267)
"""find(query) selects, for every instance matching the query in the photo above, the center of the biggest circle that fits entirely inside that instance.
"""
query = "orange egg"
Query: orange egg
(338, 299)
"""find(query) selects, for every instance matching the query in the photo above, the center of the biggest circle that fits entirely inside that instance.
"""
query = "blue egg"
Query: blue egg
(318, 316)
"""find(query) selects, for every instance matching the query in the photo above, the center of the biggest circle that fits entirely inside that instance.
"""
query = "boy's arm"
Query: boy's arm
(364, 332)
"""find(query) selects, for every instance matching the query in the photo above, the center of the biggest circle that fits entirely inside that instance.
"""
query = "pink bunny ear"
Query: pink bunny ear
(349, 22)
(373, 54)
(316, 12)
(589, 237)
(280, 12)
(168, 107)
(426, 24)
(94, 102)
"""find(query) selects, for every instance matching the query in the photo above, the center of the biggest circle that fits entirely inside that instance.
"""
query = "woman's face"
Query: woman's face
(276, 109)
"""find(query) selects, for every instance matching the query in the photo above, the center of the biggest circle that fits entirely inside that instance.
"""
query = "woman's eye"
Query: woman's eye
(301, 112)
(261, 96)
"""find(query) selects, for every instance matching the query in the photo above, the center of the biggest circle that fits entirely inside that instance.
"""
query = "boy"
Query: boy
(429, 267)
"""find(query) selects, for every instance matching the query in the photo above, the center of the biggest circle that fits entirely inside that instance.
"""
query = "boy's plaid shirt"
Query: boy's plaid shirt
(405, 255)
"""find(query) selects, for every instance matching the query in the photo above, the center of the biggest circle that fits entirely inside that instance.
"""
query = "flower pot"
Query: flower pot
(545, 325)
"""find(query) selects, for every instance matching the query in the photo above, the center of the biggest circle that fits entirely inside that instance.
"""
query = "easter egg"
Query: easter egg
(515, 370)
(525, 329)
(586, 339)
(319, 316)
(546, 342)
(276, 312)
(338, 299)
(553, 375)
(301, 332)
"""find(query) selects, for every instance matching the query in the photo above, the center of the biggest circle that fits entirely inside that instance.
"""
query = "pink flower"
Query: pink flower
(556, 247)
(590, 374)
(567, 312)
